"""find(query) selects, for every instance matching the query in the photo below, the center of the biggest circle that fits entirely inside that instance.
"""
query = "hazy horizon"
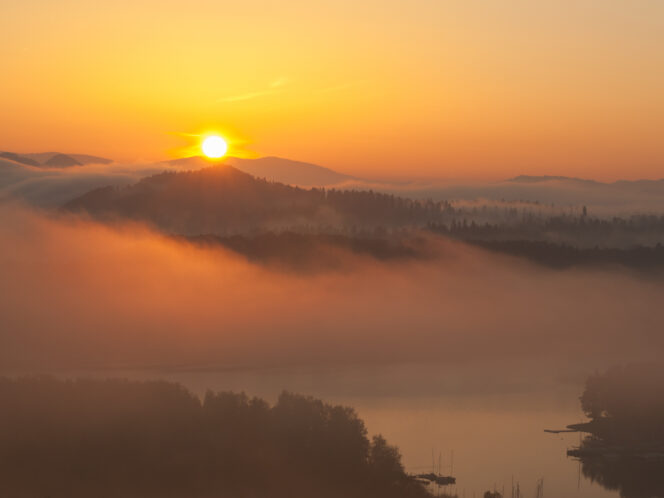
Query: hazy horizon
(469, 89)
(402, 177)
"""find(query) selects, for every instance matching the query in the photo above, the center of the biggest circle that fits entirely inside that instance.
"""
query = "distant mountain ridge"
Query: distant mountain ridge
(53, 159)
(18, 158)
(289, 171)
(43, 179)
(547, 178)
(276, 169)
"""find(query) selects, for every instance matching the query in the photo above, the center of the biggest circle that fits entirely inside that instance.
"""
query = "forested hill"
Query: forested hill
(223, 200)
(120, 439)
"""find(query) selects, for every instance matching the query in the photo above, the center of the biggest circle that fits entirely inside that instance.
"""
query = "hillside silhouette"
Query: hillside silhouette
(311, 229)
(116, 438)
(222, 200)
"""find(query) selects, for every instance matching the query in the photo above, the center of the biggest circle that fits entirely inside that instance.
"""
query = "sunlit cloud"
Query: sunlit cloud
(272, 89)
(340, 87)
(245, 96)
(279, 82)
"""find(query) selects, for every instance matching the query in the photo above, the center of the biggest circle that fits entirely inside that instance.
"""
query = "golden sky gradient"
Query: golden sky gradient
(380, 88)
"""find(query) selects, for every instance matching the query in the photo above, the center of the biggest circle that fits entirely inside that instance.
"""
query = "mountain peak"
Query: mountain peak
(289, 171)
(61, 161)
(276, 169)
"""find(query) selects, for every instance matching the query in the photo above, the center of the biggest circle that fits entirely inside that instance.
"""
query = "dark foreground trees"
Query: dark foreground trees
(625, 448)
(626, 404)
(116, 438)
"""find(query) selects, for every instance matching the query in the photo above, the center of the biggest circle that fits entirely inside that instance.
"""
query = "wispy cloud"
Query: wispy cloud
(272, 89)
(245, 96)
(279, 82)
(277, 86)
(340, 87)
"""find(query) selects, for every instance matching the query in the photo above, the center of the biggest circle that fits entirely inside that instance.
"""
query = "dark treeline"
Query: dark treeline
(626, 404)
(320, 251)
(574, 230)
(117, 438)
(316, 251)
(223, 201)
(308, 228)
(633, 477)
(561, 256)
(625, 448)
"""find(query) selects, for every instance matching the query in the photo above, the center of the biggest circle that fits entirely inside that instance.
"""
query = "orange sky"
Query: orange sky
(381, 88)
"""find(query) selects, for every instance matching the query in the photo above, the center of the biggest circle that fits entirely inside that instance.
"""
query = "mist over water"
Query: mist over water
(77, 294)
(466, 351)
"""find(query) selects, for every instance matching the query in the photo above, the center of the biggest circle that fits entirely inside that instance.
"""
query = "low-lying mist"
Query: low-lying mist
(77, 295)
(52, 187)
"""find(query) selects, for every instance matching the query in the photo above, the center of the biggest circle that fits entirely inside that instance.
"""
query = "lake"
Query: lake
(484, 424)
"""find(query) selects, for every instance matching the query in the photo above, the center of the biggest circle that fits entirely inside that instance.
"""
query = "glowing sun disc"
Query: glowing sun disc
(214, 147)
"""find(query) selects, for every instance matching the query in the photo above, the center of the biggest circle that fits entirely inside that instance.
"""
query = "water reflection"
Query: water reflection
(633, 477)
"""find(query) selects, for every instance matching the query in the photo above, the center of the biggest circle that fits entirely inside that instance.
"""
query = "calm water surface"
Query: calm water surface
(485, 425)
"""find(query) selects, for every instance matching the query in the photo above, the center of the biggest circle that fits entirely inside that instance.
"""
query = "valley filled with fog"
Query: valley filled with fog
(450, 324)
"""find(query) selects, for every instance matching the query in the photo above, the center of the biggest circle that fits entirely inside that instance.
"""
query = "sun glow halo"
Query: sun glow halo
(214, 147)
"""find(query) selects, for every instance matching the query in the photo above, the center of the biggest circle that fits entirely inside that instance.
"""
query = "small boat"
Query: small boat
(437, 479)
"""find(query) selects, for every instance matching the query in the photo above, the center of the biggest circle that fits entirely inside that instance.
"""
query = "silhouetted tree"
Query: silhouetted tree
(117, 438)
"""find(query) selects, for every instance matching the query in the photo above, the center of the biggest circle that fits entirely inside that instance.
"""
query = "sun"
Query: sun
(214, 147)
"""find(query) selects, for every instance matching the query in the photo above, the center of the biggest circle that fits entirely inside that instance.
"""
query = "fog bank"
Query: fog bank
(78, 295)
